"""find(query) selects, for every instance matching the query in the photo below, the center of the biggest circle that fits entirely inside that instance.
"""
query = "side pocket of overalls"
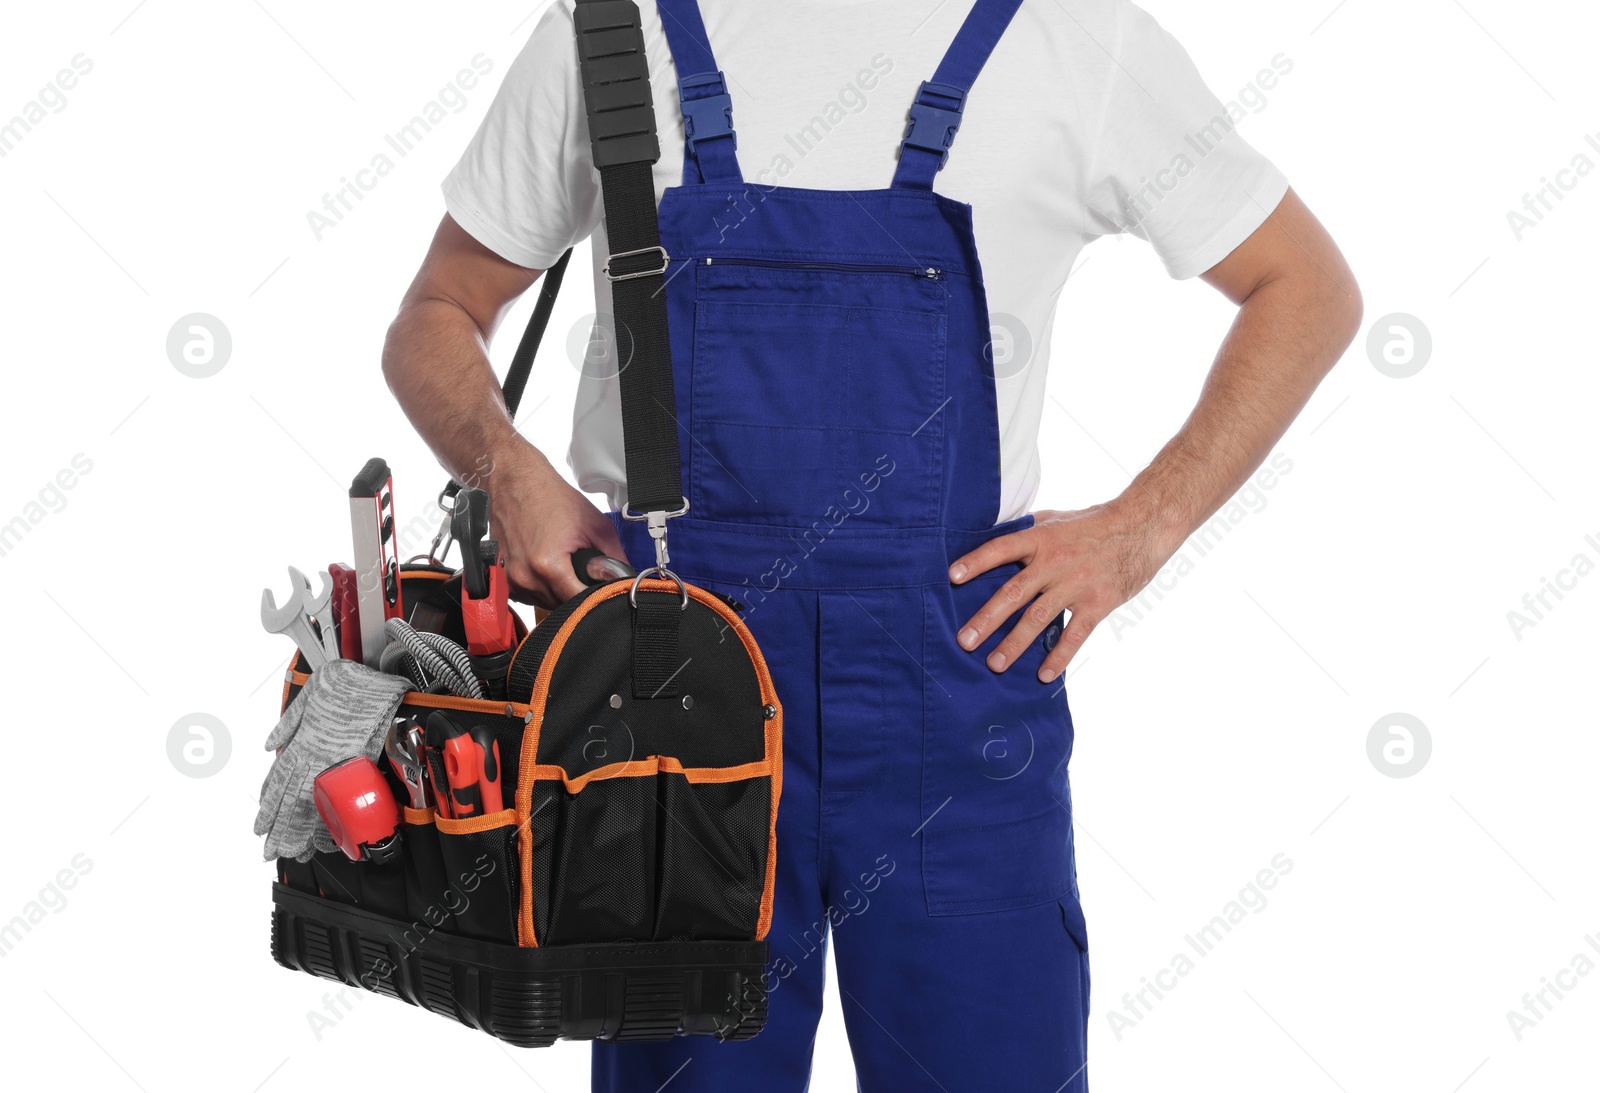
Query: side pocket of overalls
(998, 834)
(1072, 921)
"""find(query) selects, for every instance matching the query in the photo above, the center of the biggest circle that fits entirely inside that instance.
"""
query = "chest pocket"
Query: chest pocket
(817, 393)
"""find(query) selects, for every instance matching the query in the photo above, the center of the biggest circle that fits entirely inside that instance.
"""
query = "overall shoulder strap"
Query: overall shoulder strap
(936, 112)
(708, 137)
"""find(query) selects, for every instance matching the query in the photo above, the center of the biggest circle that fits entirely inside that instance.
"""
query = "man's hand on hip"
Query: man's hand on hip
(1299, 308)
(1087, 563)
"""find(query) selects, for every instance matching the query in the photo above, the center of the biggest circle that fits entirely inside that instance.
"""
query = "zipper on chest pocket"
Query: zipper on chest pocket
(927, 273)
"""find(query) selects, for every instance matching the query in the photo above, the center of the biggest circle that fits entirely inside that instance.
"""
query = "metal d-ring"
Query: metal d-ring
(683, 589)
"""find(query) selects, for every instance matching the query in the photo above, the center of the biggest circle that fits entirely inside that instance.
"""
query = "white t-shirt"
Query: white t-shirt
(1088, 120)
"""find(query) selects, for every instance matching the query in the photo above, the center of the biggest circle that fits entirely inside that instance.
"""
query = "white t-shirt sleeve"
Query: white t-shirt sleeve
(525, 186)
(1170, 165)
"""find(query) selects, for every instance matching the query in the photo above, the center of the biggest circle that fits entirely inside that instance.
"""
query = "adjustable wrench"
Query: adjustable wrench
(403, 746)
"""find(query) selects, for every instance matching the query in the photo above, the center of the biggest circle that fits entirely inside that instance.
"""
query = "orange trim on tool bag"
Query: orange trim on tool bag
(526, 761)
(486, 706)
(418, 817)
(468, 705)
(774, 746)
(290, 679)
(530, 770)
(474, 824)
(648, 766)
(539, 615)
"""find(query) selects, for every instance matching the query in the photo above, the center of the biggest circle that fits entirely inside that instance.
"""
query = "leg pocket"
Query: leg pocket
(998, 823)
(996, 868)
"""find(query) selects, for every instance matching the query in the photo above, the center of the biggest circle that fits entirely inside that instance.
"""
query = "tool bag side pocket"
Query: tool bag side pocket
(436, 879)
(427, 882)
(595, 856)
(480, 863)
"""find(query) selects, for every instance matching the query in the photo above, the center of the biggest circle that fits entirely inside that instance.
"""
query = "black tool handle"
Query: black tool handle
(594, 567)
(491, 669)
(469, 525)
(370, 480)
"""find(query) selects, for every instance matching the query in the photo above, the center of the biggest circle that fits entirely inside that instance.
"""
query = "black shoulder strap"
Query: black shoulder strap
(516, 380)
(622, 134)
(622, 138)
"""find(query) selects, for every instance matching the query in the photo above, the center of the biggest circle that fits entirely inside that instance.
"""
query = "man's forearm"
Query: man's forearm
(436, 362)
(1288, 334)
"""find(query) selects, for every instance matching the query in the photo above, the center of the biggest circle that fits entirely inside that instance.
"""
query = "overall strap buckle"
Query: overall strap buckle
(934, 117)
(706, 116)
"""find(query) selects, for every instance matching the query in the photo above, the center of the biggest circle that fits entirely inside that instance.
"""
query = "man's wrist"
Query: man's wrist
(504, 462)
(1163, 522)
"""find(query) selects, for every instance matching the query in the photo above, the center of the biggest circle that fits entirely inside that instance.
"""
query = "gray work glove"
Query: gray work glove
(343, 711)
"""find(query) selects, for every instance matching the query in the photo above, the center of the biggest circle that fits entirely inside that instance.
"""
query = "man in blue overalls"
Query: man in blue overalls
(859, 460)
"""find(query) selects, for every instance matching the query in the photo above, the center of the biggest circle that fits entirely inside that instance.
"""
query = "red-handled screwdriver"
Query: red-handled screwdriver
(472, 765)
(485, 592)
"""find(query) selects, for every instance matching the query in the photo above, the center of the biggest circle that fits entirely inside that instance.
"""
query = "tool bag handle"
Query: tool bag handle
(622, 135)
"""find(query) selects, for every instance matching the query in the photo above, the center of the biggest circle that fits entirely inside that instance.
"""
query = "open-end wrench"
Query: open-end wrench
(291, 619)
(320, 608)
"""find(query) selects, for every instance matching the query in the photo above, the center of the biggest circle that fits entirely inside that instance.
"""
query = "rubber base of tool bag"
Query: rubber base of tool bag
(529, 997)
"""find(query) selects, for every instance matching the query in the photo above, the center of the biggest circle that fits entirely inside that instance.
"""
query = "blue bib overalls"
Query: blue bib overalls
(840, 447)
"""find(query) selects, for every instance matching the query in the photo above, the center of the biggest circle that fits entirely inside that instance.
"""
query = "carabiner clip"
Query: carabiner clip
(442, 541)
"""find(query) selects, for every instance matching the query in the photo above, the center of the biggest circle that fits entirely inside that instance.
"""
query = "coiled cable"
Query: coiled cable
(428, 660)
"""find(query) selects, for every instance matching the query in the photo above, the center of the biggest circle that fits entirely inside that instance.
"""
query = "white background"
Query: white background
(1228, 724)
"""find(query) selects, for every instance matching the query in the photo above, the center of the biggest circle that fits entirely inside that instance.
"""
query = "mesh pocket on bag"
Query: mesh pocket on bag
(480, 861)
(649, 857)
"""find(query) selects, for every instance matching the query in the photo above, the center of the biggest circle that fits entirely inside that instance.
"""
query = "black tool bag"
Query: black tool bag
(627, 892)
